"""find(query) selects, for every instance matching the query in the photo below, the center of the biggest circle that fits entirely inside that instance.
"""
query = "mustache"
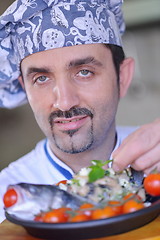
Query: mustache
(69, 114)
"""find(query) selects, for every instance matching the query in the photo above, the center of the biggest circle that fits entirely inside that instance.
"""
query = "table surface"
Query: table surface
(151, 231)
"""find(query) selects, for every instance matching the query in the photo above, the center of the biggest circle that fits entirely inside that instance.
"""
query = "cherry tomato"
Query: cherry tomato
(62, 181)
(87, 208)
(132, 196)
(132, 206)
(103, 213)
(79, 217)
(116, 206)
(56, 216)
(86, 205)
(10, 198)
(39, 218)
(152, 184)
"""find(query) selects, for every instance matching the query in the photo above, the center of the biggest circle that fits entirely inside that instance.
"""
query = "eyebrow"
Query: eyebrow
(31, 70)
(74, 63)
(82, 61)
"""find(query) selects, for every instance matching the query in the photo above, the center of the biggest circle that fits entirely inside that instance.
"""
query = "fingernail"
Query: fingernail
(116, 167)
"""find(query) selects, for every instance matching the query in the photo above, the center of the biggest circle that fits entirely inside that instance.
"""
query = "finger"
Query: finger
(156, 167)
(152, 129)
(148, 160)
(124, 142)
(137, 144)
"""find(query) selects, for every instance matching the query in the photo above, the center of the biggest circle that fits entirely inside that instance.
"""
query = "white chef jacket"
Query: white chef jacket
(41, 166)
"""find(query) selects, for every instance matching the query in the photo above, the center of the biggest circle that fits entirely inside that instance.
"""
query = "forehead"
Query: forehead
(67, 54)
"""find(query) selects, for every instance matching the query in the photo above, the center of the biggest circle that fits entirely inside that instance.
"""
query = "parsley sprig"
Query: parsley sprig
(97, 170)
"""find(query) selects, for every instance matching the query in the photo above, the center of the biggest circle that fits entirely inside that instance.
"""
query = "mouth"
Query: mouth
(67, 121)
(65, 124)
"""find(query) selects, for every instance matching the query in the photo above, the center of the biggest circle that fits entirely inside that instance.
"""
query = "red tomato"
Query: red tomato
(10, 198)
(79, 217)
(87, 208)
(152, 184)
(132, 206)
(132, 196)
(103, 213)
(86, 205)
(56, 216)
(116, 206)
(62, 181)
(39, 218)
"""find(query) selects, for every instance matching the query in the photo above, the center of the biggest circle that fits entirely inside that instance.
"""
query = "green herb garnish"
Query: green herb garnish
(97, 170)
(75, 181)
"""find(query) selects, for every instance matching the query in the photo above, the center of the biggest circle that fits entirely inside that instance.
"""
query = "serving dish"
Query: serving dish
(90, 229)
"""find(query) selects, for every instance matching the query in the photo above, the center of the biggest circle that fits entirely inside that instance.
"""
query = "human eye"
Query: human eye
(40, 79)
(85, 73)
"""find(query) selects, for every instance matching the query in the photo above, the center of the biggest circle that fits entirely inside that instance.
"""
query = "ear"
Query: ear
(20, 79)
(126, 75)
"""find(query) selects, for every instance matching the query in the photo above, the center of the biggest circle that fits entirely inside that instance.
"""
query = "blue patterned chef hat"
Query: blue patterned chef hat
(30, 26)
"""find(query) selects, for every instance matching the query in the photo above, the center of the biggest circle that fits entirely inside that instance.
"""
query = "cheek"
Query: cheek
(41, 116)
(38, 99)
(31, 99)
(105, 92)
(34, 102)
(39, 107)
(105, 102)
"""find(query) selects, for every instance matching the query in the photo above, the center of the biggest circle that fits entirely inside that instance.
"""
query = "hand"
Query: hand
(141, 149)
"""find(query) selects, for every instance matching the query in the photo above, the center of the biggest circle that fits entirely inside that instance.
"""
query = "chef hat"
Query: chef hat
(30, 26)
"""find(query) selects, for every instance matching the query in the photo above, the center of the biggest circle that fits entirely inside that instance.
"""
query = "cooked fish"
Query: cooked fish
(33, 199)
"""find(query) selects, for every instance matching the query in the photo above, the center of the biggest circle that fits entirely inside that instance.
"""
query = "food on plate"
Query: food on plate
(93, 193)
(100, 186)
(10, 198)
(33, 199)
(152, 184)
(132, 205)
(59, 215)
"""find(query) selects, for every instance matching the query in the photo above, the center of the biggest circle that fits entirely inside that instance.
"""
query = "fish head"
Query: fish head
(31, 200)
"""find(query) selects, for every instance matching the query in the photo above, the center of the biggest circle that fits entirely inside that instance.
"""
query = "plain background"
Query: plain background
(18, 130)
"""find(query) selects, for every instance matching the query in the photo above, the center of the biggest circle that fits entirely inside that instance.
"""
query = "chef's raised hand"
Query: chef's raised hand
(141, 149)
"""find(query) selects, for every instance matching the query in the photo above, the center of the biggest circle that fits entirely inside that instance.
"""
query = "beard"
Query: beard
(71, 141)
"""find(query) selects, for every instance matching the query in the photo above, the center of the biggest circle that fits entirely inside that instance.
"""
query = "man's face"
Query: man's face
(73, 93)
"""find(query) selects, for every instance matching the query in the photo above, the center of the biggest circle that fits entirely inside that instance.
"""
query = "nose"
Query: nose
(65, 95)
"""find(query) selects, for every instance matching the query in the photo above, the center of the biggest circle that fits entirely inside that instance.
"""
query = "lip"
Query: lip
(65, 124)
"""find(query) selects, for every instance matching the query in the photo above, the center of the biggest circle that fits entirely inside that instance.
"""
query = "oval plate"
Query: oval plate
(90, 229)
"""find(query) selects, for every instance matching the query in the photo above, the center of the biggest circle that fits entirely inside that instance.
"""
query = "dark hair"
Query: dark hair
(118, 56)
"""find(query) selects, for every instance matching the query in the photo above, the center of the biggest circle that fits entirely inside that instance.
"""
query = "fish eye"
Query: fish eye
(34, 190)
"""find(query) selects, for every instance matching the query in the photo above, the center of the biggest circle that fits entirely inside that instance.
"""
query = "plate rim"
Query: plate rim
(99, 222)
